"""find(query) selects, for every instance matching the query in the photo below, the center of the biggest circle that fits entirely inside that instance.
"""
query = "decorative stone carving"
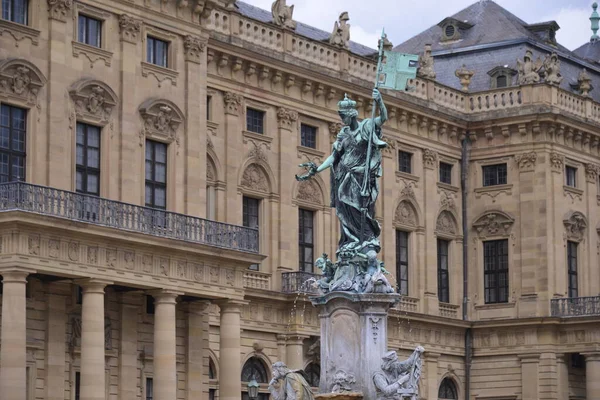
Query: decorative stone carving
(92, 255)
(33, 243)
(591, 172)
(59, 9)
(193, 47)
(282, 14)
(211, 174)
(557, 161)
(341, 32)
(342, 382)
(54, 248)
(111, 258)
(552, 69)
(408, 191)
(163, 267)
(198, 271)
(233, 103)
(584, 83)
(464, 75)
(286, 118)
(73, 251)
(256, 152)
(20, 80)
(129, 258)
(161, 119)
(528, 70)
(75, 340)
(147, 263)
(430, 158)
(425, 69)
(287, 384)
(447, 200)
(405, 214)
(399, 380)
(254, 178)
(575, 226)
(130, 28)
(310, 192)
(526, 160)
(494, 223)
(446, 223)
(94, 101)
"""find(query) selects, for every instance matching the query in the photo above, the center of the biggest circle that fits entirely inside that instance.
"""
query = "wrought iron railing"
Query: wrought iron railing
(575, 306)
(114, 214)
(299, 282)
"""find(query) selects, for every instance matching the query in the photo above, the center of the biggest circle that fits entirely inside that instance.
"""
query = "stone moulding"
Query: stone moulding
(19, 32)
(20, 80)
(575, 226)
(160, 73)
(92, 53)
(94, 101)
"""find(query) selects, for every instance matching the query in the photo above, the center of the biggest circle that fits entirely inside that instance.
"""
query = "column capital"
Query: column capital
(286, 118)
(296, 339)
(15, 274)
(199, 307)
(529, 358)
(165, 296)
(431, 356)
(592, 356)
(282, 337)
(230, 306)
(93, 285)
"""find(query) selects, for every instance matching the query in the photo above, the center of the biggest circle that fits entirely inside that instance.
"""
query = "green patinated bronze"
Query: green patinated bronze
(594, 18)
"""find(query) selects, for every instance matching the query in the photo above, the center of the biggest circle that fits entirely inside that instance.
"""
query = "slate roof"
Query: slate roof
(308, 31)
(589, 51)
(491, 24)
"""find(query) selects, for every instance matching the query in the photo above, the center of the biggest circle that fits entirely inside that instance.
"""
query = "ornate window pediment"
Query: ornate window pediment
(255, 179)
(20, 80)
(162, 119)
(446, 224)
(309, 192)
(406, 214)
(94, 101)
(575, 226)
(494, 223)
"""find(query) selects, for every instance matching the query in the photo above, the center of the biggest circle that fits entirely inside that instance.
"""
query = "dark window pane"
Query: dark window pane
(402, 262)
(12, 143)
(447, 390)
(571, 176)
(446, 173)
(77, 385)
(89, 30)
(156, 174)
(157, 52)
(88, 159)
(494, 175)
(149, 389)
(501, 81)
(443, 280)
(404, 160)
(255, 120)
(572, 269)
(308, 136)
(15, 11)
(495, 261)
(306, 239)
(250, 217)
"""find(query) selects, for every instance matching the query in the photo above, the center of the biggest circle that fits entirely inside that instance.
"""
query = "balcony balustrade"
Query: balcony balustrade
(19, 196)
(575, 307)
(299, 282)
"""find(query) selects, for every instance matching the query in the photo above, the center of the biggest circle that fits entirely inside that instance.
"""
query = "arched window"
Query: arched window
(447, 390)
(212, 370)
(255, 369)
(213, 384)
(313, 374)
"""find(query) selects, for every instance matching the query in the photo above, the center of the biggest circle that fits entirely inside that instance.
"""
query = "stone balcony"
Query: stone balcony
(19, 196)
(575, 307)
(298, 282)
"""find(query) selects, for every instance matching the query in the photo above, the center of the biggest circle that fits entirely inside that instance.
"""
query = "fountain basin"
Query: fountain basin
(339, 396)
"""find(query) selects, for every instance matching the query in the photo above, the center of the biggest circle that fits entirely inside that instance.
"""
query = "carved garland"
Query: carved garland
(575, 226)
(20, 80)
(130, 28)
(233, 103)
(161, 120)
(493, 223)
(526, 160)
(60, 9)
(286, 118)
(94, 101)
(193, 48)
(429, 158)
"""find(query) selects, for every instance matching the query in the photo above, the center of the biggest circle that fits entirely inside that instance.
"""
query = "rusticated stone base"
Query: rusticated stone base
(339, 396)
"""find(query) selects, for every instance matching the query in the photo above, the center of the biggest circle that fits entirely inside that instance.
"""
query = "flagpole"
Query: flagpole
(365, 186)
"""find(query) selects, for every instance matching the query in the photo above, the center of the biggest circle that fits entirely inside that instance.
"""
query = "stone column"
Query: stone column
(281, 348)
(55, 339)
(128, 355)
(592, 375)
(431, 377)
(165, 346)
(92, 340)
(530, 376)
(13, 349)
(562, 376)
(229, 351)
(197, 345)
(295, 351)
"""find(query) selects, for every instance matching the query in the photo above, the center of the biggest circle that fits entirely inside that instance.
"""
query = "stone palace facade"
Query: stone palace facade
(154, 242)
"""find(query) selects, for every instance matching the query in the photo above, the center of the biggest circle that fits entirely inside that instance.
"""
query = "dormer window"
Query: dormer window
(452, 29)
(545, 31)
(501, 77)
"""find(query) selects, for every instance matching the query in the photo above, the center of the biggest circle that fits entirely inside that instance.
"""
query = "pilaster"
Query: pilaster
(295, 351)
(197, 346)
(530, 376)
(562, 383)
(592, 375)
(430, 178)
(431, 375)
(55, 339)
(128, 355)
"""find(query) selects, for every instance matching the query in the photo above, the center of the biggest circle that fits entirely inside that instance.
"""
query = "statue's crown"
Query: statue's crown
(346, 104)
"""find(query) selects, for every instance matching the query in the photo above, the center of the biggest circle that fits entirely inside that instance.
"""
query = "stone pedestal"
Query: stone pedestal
(353, 338)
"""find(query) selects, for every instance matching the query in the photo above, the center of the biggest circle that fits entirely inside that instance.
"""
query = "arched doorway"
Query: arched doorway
(447, 390)
(313, 374)
(255, 369)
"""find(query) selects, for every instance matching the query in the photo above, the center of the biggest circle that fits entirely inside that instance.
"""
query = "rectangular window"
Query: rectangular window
(156, 175)
(495, 260)
(12, 143)
(157, 52)
(571, 176)
(255, 120)
(149, 389)
(15, 11)
(250, 216)
(208, 107)
(77, 385)
(308, 136)
(501, 81)
(446, 173)
(442, 267)
(402, 262)
(494, 175)
(405, 161)
(306, 239)
(89, 31)
(212, 394)
(572, 267)
(88, 159)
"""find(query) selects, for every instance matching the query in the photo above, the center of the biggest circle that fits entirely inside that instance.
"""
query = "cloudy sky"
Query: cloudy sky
(403, 19)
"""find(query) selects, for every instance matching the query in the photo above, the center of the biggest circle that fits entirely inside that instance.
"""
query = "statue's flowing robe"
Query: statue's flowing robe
(292, 387)
(348, 170)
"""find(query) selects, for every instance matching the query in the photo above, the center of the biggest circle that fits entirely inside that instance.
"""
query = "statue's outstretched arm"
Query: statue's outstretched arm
(326, 164)
(383, 115)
